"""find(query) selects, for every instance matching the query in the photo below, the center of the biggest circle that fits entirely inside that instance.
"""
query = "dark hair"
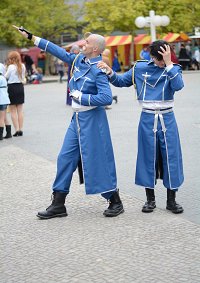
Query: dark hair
(155, 47)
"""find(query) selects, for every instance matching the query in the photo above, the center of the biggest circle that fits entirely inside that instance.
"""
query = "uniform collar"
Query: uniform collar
(92, 61)
(150, 61)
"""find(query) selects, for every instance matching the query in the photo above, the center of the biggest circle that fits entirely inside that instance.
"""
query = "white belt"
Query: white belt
(80, 108)
(83, 109)
(157, 111)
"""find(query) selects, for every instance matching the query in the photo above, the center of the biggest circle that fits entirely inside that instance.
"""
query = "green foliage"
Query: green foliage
(44, 18)
(106, 16)
(50, 18)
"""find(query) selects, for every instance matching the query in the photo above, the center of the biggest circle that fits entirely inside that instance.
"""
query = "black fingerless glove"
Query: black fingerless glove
(30, 35)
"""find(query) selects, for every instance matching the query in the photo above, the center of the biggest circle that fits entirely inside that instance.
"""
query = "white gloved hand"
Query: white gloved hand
(76, 94)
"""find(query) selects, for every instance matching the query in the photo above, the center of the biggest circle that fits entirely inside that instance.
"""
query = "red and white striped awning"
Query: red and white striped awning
(110, 41)
(176, 37)
(142, 39)
(118, 40)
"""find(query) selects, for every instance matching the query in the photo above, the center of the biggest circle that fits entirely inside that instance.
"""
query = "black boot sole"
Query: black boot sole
(52, 216)
(113, 215)
(175, 211)
(147, 210)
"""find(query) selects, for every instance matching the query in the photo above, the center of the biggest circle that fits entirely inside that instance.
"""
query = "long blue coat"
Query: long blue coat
(88, 135)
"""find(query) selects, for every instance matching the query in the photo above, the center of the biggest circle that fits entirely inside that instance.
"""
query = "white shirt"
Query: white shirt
(12, 74)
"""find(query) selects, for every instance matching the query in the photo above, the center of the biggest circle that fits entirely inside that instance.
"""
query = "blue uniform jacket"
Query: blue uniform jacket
(86, 77)
(146, 82)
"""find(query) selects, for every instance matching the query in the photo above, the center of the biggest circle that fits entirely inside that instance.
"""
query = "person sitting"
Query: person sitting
(37, 77)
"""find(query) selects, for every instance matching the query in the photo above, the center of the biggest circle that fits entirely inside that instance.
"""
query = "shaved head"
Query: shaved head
(94, 45)
(100, 41)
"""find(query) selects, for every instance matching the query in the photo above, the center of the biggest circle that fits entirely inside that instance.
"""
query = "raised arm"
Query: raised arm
(47, 46)
(174, 71)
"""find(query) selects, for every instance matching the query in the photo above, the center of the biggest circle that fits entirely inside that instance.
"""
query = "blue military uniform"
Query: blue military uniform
(159, 150)
(88, 135)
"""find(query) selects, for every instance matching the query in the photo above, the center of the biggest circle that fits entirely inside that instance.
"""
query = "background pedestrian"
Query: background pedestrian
(4, 101)
(15, 75)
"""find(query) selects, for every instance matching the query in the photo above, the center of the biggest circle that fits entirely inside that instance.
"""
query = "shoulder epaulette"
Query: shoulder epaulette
(72, 67)
(142, 60)
(177, 64)
(133, 79)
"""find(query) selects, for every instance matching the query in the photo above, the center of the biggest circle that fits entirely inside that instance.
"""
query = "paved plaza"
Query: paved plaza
(86, 247)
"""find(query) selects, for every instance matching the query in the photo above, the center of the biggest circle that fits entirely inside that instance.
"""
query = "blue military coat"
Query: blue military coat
(155, 84)
(91, 126)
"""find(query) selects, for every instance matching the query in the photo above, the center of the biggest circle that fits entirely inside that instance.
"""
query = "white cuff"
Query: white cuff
(37, 40)
(111, 75)
(168, 68)
(76, 94)
(80, 97)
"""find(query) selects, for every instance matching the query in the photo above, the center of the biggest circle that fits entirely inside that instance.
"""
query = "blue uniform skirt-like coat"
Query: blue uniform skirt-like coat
(159, 153)
(88, 137)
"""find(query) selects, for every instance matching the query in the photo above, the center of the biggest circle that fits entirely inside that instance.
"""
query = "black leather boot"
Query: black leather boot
(115, 206)
(8, 132)
(115, 98)
(1, 133)
(56, 209)
(150, 204)
(171, 203)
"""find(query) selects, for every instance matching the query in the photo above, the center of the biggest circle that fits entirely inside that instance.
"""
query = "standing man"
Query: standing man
(159, 150)
(88, 135)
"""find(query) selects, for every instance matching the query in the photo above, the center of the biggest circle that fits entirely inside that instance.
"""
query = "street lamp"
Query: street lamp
(152, 21)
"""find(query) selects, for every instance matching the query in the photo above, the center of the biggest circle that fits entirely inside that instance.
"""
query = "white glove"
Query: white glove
(76, 94)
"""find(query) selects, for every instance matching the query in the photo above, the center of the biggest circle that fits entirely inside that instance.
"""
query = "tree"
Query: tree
(45, 18)
(106, 16)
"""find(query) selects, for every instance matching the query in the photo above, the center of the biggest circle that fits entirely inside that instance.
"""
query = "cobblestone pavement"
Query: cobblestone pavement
(85, 246)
